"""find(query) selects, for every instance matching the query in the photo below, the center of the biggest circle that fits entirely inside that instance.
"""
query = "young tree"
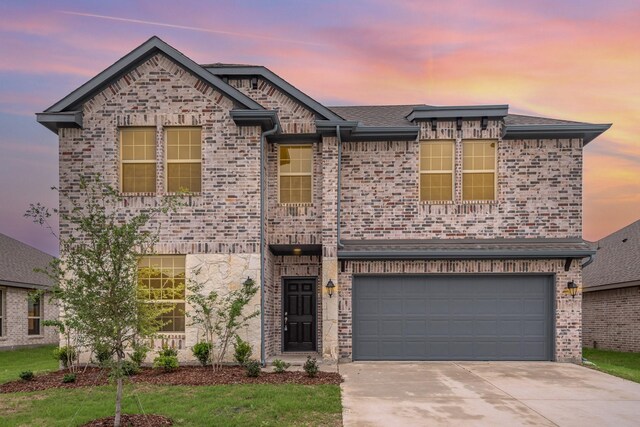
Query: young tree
(96, 277)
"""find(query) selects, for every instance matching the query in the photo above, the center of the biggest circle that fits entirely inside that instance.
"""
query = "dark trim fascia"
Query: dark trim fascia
(287, 250)
(295, 138)
(55, 121)
(278, 82)
(611, 286)
(468, 254)
(588, 132)
(144, 51)
(371, 133)
(427, 112)
(266, 119)
(328, 127)
(22, 285)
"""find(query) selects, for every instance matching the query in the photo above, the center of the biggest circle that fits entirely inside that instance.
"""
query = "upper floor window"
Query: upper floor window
(479, 170)
(138, 157)
(436, 170)
(34, 315)
(184, 159)
(161, 279)
(295, 174)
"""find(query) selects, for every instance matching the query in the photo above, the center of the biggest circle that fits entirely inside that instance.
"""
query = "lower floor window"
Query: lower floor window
(1, 312)
(162, 281)
(34, 315)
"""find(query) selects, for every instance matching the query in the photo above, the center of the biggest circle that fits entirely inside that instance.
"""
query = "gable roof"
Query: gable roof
(52, 116)
(617, 260)
(17, 261)
(239, 70)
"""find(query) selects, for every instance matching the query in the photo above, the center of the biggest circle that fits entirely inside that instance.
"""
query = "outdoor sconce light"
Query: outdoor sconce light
(330, 286)
(573, 288)
(248, 282)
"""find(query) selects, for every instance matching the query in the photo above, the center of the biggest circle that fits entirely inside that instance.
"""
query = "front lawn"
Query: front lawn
(38, 359)
(623, 365)
(228, 405)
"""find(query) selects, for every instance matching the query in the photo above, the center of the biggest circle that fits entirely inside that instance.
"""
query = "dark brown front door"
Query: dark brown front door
(299, 314)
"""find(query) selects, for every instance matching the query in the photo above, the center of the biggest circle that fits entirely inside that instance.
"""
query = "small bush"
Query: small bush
(102, 354)
(26, 375)
(279, 366)
(167, 359)
(69, 378)
(253, 368)
(202, 351)
(66, 355)
(242, 352)
(139, 354)
(130, 368)
(311, 366)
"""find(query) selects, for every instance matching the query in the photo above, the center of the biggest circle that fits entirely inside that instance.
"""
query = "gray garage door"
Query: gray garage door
(433, 317)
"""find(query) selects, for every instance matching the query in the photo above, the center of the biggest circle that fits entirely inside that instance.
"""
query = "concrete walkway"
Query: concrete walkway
(485, 394)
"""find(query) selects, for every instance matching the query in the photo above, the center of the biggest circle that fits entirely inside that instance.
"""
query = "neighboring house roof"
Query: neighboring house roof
(617, 261)
(538, 248)
(17, 264)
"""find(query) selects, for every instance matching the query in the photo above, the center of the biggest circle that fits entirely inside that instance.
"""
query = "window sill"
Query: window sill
(162, 334)
(437, 202)
(183, 194)
(479, 202)
(35, 337)
(295, 205)
(138, 194)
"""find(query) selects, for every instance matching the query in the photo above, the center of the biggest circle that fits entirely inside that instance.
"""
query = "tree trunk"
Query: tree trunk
(116, 421)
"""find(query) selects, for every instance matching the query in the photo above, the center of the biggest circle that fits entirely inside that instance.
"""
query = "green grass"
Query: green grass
(228, 405)
(623, 365)
(38, 359)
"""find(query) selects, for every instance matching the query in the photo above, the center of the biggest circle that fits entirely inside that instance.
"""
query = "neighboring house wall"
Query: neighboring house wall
(15, 323)
(611, 319)
(539, 190)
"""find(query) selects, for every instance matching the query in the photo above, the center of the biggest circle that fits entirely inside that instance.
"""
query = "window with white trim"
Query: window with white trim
(138, 160)
(34, 315)
(479, 170)
(184, 159)
(436, 171)
(162, 281)
(295, 174)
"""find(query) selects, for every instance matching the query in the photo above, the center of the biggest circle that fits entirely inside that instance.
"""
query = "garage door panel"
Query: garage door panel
(452, 317)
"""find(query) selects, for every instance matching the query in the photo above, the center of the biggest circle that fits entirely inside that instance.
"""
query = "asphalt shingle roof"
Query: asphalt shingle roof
(396, 115)
(17, 261)
(617, 259)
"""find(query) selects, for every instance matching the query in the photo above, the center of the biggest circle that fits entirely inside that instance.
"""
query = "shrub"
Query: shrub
(242, 352)
(280, 366)
(167, 359)
(130, 368)
(253, 368)
(139, 354)
(69, 378)
(102, 353)
(202, 351)
(311, 366)
(26, 375)
(65, 354)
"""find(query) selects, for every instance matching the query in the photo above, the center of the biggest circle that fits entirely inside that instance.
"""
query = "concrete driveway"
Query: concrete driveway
(485, 394)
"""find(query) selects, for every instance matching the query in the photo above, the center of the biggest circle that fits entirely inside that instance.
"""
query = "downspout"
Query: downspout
(589, 261)
(340, 245)
(263, 136)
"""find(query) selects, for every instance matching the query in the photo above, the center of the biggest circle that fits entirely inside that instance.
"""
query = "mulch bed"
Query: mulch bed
(186, 375)
(137, 420)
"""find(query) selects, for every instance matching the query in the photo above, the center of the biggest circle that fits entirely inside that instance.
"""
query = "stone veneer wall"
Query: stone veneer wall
(611, 319)
(15, 324)
(539, 190)
(568, 310)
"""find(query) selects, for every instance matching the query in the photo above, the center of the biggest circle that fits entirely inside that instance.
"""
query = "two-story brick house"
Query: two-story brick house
(377, 233)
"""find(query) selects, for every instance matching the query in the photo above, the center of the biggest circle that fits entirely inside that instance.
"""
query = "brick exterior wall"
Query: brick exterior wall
(611, 319)
(568, 310)
(539, 190)
(15, 324)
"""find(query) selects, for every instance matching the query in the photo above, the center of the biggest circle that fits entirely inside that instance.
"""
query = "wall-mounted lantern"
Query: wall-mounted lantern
(330, 286)
(573, 288)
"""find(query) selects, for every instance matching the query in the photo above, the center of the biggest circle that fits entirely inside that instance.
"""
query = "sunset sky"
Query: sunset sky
(576, 60)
